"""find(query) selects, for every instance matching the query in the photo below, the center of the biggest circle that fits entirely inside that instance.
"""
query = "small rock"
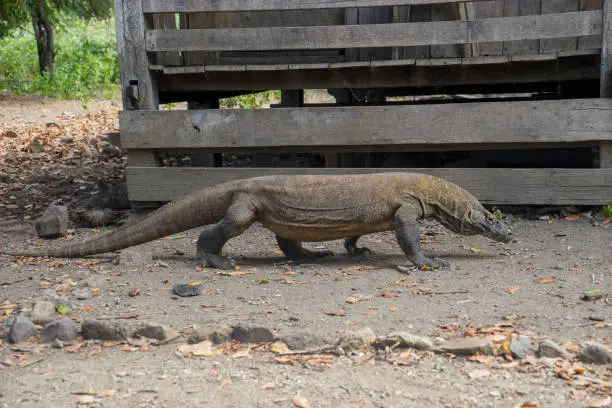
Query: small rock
(217, 335)
(406, 340)
(86, 400)
(130, 258)
(595, 353)
(133, 292)
(67, 139)
(186, 290)
(467, 347)
(43, 312)
(61, 329)
(53, 223)
(36, 146)
(10, 133)
(597, 318)
(105, 330)
(548, 348)
(21, 328)
(305, 340)
(245, 334)
(152, 330)
(82, 293)
(521, 347)
(354, 339)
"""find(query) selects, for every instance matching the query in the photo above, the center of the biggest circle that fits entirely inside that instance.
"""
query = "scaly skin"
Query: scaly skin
(305, 208)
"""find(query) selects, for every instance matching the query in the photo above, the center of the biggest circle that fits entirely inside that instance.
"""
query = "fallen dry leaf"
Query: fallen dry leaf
(262, 282)
(512, 289)
(600, 325)
(571, 217)
(394, 309)
(233, 273)
(560, 234)
(335, 313)
(193, 283)
(529, 404)
(204, 348)
(73, 348)
(300, 402)
(268, 386)
(540, 281)
(279, 347)
(357, 298)
(129, 348)
(389, 295)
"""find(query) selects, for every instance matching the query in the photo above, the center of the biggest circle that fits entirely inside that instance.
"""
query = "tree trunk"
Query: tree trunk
(44, 36)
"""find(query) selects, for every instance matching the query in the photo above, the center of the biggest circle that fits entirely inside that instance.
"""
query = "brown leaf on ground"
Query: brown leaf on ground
(512, 289)
(529, 404)
(300, 402)
(335, 313)
(357, 298)
(540, 281)
(571, 217)
(388, 295)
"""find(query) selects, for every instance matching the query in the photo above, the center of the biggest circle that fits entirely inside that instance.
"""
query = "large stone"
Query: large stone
(21, 328)
(354, 339)
(43, 312)
(61, 329)
(548, 348)
(467, 347)
(305, 340)
(53, 223)
(246, 334)
(105, 330)
(217, 335)
(595, 353)
(406, 340)
(157, 331)
(521, 347)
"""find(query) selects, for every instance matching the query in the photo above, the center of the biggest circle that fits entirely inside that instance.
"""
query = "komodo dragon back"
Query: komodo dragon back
(206, 206)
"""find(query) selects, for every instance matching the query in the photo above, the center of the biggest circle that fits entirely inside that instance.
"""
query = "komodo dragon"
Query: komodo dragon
(305, 208)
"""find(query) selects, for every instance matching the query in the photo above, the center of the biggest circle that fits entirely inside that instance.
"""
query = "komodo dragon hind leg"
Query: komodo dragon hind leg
(293, 249)
(407, 234)
(239, 217)
(350, 244)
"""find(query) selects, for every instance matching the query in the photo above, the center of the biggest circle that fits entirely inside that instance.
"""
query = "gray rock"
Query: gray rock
(595, 353)
(406, 340)
(186, 290)
(521, 347)
(21, 328)
(60, 329)
(153, 330)
(597, 318)
(467, 347)
(43, 312)
(305, 340)
(548, 348)
(354, 339)
(53, 223)
(130, 258)
(82, 293)
(246, 334)
(219, 334)
(105, 330)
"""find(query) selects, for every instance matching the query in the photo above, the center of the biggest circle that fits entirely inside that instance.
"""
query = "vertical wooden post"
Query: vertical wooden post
(605, 148)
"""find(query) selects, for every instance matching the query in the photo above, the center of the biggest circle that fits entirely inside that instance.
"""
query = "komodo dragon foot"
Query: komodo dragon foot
(350, 244)
(208, 260)
(293, 250)
(425, 263)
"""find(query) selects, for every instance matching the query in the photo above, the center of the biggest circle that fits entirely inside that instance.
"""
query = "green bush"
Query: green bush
(85, 61)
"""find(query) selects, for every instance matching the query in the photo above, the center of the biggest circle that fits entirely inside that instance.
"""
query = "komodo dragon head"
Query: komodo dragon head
(462, 213)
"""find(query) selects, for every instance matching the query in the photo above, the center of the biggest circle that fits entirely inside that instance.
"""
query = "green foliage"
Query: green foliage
(255, 100)
(85, 60)
(608, 211)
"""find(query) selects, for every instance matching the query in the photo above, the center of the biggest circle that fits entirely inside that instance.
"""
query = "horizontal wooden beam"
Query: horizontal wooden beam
(556, 121)
(192, 6)
(495, 186)
(378, 35)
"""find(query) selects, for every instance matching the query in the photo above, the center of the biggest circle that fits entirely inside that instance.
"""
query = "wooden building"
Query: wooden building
(364, 52)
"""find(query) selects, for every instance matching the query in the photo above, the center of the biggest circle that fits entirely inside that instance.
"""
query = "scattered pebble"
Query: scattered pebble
(53, 223)
(595, 353)
(186, 290)
(354, 339)
(467, 347)
(246, 334)
(21, 328)
(521, 347)
(43, 312)
(548, 348)
(60, 329)
(153, 330)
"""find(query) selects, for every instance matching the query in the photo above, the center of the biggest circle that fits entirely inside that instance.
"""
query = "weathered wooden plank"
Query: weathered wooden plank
(445, 12)
(522, 8)
(606, 52)
(568, 42)
(138, 88)
(166, 21)
(590, 41)
(489, 9)
(408, 76)
(496, 186)
(578, 120)
(171, 6)
(378, 35)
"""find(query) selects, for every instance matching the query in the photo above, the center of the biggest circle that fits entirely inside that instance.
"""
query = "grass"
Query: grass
(85, 61)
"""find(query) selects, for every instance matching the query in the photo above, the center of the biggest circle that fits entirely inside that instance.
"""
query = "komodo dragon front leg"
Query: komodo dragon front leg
(238, 218)
(350, 244)
(407, 234)
(294, 250)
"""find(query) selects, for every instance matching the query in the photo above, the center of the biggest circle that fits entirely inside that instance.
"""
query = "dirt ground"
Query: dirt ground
(489, 283)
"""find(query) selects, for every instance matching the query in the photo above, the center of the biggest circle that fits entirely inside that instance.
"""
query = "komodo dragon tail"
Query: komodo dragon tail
(204, 207)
